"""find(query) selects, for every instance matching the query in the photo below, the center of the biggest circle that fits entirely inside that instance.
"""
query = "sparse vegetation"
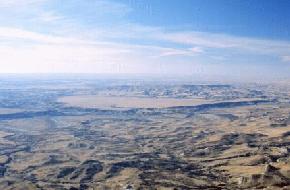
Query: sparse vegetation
(232, 138)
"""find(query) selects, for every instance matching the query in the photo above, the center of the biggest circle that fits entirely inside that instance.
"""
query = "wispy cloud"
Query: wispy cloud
(222, 41)
(193, 43)
(18, 3)
(12, 34)
(181, 52)
(286, 58)
(51, 53)
(49, 16)
(83, 41)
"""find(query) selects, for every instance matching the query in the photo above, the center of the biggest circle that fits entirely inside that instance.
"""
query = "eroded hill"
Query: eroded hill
(229, 137)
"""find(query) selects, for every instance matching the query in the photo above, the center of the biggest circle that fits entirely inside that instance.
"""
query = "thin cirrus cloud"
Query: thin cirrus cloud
(17, 3)
(49, 16)
(286, 58)
(51, 53)
(120, 46)
(221, 41)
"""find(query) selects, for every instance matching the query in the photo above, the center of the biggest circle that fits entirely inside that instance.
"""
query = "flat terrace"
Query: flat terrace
(109, 102)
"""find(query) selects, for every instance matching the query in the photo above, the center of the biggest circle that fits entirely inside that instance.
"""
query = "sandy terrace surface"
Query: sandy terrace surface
(92, 101)
(96, 101)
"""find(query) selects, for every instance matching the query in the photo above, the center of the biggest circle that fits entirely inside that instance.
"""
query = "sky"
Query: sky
(232, 38)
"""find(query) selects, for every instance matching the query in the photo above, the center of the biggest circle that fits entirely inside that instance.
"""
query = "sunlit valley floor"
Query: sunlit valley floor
(122, 134)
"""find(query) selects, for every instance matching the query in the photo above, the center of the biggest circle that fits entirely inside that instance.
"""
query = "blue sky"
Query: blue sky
(234, 38)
